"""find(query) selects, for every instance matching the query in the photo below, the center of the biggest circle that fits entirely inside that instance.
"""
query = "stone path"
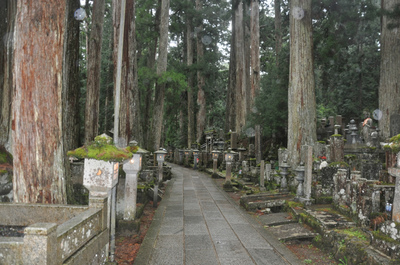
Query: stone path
(198, 223)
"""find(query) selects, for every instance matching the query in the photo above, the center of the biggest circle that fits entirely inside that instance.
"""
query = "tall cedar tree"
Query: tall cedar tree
(389, 86)
(158, 111)
(39, 164)
(201, 98)
(93, 72)
(129, 109)
(301, 96)
(190, 77)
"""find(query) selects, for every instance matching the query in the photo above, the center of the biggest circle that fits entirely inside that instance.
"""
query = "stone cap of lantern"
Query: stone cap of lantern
(160, 154)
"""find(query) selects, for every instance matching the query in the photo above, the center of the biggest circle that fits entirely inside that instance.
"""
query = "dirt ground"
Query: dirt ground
(128, 247)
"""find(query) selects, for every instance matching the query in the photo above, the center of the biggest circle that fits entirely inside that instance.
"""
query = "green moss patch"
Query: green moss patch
(5, 157)
(102, 149)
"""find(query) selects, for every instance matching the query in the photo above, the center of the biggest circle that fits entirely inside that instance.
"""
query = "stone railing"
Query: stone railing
(56, 234)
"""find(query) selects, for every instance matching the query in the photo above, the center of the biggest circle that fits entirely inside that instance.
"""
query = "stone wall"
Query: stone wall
(359, 197)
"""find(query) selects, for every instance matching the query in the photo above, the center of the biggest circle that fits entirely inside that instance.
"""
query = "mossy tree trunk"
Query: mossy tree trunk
(8, 10)
(71, 78)
(301, 96)
(240, 58)
(39, 156)
(255, 49)
(389, 85)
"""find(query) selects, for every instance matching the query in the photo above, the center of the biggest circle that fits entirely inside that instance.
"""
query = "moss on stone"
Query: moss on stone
(341, 164)
(101, 149)
(381, 236)
(336, 135)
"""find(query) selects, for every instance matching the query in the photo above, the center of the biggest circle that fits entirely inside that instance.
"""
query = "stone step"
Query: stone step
(328, 218)
(291, 231)
(275, 219)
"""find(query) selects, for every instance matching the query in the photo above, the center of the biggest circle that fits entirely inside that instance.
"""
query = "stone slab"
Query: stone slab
(291, 231)
(275, 219)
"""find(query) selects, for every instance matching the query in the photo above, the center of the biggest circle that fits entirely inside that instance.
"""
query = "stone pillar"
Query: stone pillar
(283, 154)
(100, 178)
(268, 170)
(395, 171)
(258, 144)
(131, 181)
(234, 141)
(306, 154)
(337, 149)
(262, 174)
(228, 171)
(40, 244)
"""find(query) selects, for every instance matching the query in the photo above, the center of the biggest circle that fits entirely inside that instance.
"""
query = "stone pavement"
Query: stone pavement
(198, 223)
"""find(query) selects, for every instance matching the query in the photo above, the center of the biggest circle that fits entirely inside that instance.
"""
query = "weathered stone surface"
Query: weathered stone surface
(100, 175)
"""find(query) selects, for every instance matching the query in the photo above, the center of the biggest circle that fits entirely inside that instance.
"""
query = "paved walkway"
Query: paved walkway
(198, 223)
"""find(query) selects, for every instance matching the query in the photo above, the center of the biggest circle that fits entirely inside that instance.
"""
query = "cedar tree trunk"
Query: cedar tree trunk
(8, 10)
(39, 169)
(93, 72)
(301, 96)
(389, 85)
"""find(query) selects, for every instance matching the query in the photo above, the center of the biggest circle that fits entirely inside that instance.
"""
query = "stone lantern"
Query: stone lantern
(181, 156)
(220, 145)
(215, 155)
(228, 160)
(195, 157)
(241, 151)
(131, 168)
(300, 178)
(187, 153)
(160, 156)
(353, 129)
(284, 172)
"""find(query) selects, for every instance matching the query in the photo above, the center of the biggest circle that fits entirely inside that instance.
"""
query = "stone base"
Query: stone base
(306, 202)
(128, 228)
(215, 175)
(227, 186)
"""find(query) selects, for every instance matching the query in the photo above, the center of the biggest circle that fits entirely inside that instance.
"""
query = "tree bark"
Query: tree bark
(161, 69)
(151, 61)
(301, 96)
(8, 12)
(189, 55)
(129, 110)
(201, 99)
(39, 169)
(230, 115)
(93, 70)
(278, 31)
(71, 78)
(240, 90)
(255, 49)
(389, 85)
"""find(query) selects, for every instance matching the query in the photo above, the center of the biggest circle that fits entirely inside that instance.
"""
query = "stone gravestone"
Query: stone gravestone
(268, 172)
(234, 141)
(262, 175)
(306, 155)
(283, 154)
(336, 149)
(394, 124)
(258, 144)
(395, 171)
